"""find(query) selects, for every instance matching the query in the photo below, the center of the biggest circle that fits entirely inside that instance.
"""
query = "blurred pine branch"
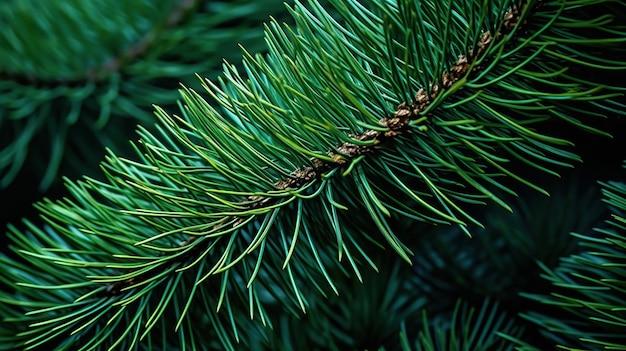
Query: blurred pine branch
(77, 76)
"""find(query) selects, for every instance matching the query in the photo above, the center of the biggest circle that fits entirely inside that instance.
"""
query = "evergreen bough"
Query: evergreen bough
(233, 221)
(79, 75)
(588, 289)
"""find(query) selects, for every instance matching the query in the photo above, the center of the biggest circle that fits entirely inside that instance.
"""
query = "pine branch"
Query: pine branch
(585, 309)
(211, 223)
(501, 260)
(364, 316)
(33, 75)
(65, 92)
(467, 329)
(344, 156)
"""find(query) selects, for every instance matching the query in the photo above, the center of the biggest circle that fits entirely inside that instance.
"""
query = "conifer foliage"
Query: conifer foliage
(77, 75)
(236, 221)
(588, 288)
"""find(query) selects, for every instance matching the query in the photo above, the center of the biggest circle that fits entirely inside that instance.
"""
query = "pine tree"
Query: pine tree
(315, 203)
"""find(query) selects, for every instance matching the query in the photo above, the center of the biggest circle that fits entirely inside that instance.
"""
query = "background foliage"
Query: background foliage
(77, 76)
(284, 215)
